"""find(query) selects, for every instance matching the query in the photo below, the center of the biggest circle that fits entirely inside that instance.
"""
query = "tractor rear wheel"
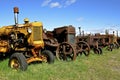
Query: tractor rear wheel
(18, 61)
(66, 52)
(84, 47)
(49, 56)
(82, 52)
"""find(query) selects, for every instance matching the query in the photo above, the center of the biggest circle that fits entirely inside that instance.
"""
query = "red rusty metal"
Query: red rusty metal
(66, 44)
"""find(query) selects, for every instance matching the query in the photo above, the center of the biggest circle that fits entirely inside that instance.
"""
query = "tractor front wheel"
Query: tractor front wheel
(96, 50)
(49, 56)
(100, 50)
(18, 61)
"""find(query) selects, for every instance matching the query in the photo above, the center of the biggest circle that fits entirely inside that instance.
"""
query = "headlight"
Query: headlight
(29, 30)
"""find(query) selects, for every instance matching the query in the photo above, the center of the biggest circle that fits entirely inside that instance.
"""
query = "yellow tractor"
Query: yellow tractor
(23, 43)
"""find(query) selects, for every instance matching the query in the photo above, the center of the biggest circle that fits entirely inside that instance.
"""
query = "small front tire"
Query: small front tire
(18, 61)
(49, 56)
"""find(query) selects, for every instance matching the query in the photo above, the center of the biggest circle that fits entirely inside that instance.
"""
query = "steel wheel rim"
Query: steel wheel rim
(65, 55)
(14, 64)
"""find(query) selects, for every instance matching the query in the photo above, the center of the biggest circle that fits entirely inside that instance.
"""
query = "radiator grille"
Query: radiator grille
(36, 33)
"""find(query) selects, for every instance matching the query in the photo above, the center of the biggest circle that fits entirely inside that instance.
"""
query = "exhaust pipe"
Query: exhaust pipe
(16, 12)
(83, 33)
(79, 31)
(117, 33)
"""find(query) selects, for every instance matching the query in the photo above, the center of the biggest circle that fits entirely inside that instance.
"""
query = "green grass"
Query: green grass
(94, 67)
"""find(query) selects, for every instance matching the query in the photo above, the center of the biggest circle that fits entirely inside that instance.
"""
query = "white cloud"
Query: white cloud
(80, 19)
(55, 4)
(46, 2)
(59, 4)
(69, 2)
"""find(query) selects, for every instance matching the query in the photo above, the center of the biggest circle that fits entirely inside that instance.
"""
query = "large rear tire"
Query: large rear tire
(18, 61)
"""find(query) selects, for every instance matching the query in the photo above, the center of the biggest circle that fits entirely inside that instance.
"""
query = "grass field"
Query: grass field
(94, 67)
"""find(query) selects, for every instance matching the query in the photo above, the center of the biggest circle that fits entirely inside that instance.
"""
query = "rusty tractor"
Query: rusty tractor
(109, 41)
(92, 41)
(62, 41)
(98, 41)
(23, 43)
(118, 40)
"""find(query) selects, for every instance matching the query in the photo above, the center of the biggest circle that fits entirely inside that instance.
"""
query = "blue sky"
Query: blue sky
(91, 15)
